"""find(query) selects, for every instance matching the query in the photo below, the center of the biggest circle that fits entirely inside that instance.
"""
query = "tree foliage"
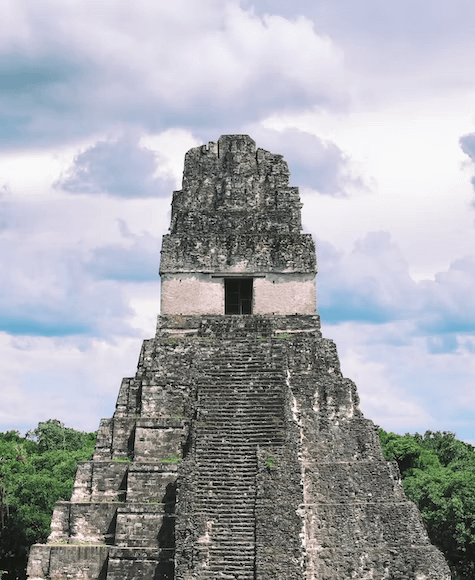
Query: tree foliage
(35, 472)
(438, 474)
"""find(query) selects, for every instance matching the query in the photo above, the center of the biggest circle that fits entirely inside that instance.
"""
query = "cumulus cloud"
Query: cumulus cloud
(73, 69)
(52, 295)
(49, 292)
(5, 207)
(405, 37)
(314, 162)
(404, 385)
(121, 169)
(46, 377)
(467, 143)
(137, 262)
(372, 285)
(450, 300)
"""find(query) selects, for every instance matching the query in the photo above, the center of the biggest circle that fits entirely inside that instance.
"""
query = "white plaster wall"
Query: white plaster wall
(191, 294)
(285, 294)
(273, 294)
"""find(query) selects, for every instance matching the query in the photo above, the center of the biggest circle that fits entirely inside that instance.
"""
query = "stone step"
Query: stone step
(226, 552)
(213, 492)
(242, 379)
(248, 407)
(228, 500)
(222, 394)
(229, 448)
(231, 569)
(228, 470)
(213, 575)
(248, 387)
(219, 436)
(273, 379)
(227, 426)
(233, 393)
(228, 423)
(228, 429)
(231, 460)
(216, 485)
(226, 515)
(231, 419)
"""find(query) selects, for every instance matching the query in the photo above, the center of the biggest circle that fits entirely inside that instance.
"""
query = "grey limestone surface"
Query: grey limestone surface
(238, 450)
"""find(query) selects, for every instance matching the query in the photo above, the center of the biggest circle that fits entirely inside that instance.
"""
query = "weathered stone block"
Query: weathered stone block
(151, 482)
(83, 522)
(410, 562)
(349, 481)
(166, 399)
(38, 561)
(325, 441)
(145, 525)
(159, 439)
(72, 562)
(104, 440)
(364, 525)
(83, 481)
(138, 563)
(108, 481)
(128, 400)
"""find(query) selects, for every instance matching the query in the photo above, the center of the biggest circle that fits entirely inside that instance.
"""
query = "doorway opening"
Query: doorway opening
(238, 295)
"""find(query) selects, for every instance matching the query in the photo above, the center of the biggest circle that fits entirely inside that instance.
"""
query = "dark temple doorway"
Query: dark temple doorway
(238, 296)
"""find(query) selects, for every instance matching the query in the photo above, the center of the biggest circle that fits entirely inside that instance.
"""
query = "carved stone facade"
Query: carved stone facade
(236, 216)
(238, 450)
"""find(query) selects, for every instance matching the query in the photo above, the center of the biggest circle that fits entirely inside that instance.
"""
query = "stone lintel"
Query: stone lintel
(253, 326)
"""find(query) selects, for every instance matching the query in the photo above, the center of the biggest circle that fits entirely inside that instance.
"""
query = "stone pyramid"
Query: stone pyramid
(238, 450)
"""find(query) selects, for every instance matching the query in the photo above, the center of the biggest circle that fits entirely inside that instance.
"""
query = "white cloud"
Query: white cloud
(372, 283)
(368, 108)
(136, 262)
(403, 385)
(75, 68)
(45, 378)
(314, 162)
(382, 400)
(120, 168)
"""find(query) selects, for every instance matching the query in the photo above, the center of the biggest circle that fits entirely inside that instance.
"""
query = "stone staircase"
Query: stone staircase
(237, 458)
(241, 406)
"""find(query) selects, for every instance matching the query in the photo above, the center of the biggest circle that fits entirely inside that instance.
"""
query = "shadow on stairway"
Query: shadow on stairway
(165, 569)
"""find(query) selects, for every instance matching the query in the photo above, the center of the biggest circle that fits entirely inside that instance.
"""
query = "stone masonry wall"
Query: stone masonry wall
(240, 447)
(238, 450)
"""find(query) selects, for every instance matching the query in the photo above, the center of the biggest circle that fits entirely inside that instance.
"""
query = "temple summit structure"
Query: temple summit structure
(238, 450)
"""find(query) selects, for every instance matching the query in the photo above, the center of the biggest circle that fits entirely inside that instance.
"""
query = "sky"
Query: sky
(371, 103)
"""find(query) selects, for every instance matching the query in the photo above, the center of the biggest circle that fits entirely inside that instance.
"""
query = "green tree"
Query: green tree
(438, 474)
(35, 472)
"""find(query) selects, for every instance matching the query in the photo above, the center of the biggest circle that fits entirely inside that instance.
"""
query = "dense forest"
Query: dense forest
(35, 472)
(438, 474)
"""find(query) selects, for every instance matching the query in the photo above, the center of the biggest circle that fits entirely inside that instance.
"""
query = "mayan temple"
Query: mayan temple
(238, 450)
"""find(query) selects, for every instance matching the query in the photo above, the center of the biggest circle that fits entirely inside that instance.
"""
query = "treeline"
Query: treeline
(35, 472)
(438, 475)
